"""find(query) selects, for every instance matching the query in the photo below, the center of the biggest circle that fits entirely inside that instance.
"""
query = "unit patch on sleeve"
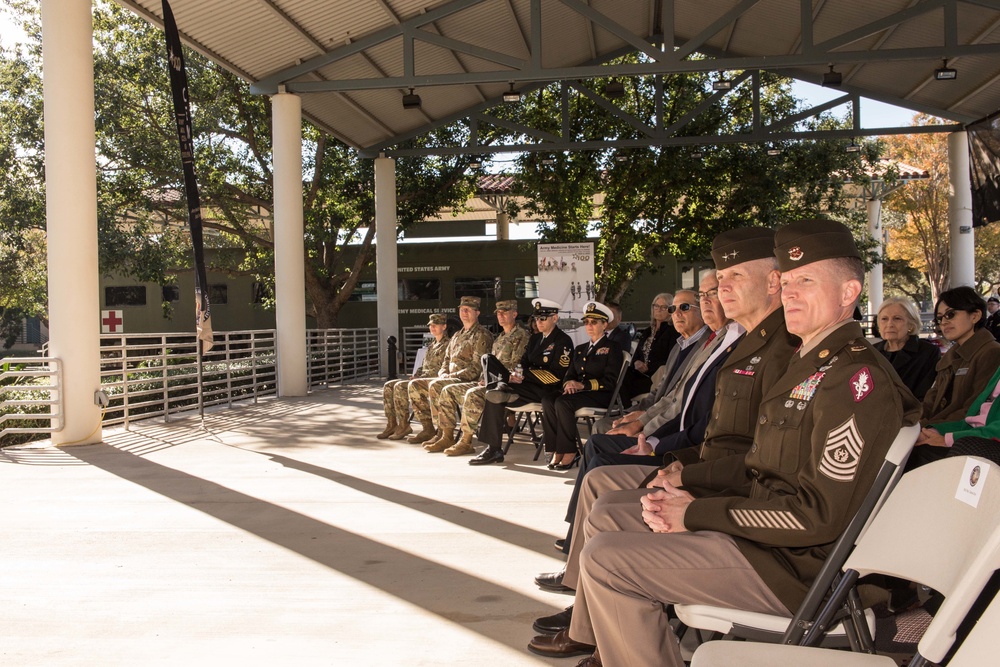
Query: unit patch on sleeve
(842, 452)
(862, 384)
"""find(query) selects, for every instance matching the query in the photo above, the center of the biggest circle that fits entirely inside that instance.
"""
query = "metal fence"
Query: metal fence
(156, 375)
(337, 355)
(29, 396)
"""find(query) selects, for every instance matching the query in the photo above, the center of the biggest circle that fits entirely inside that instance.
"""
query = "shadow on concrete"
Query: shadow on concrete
(512, 533)
(452, 595)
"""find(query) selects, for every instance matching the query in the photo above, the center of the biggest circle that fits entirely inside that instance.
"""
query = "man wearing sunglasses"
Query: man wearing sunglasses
(754, 537)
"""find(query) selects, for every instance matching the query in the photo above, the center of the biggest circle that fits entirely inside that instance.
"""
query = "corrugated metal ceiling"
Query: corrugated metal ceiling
(259, 38)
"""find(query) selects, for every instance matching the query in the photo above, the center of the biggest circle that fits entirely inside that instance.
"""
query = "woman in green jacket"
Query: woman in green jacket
(978, 434)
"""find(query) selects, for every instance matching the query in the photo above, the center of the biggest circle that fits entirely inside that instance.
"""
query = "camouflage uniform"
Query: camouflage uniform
(469, 396)
(461, 364)
(395, 398)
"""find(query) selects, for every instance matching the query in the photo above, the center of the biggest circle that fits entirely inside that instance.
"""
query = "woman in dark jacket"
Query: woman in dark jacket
(913, 358)
(652, 350)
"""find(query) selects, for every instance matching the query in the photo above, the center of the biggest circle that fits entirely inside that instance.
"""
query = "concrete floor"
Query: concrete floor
(281, 534)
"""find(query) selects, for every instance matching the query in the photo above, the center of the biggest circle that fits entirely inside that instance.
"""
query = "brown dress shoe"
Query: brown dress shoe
(401, 432)
(559, 645)
(591, 661)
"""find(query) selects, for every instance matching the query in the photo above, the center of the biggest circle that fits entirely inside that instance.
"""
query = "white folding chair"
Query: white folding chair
(937, 528)
(771, 628)
(528, 415)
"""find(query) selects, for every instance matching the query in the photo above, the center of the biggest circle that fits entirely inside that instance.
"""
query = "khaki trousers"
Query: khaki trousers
(628, 574)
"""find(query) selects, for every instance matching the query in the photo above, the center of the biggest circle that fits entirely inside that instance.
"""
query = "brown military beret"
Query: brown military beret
(808, 241)
(742, 245)
(437, 318)
(509, 304)
(470, 301)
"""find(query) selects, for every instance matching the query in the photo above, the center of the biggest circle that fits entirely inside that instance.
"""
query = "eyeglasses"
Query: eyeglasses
(947, 316)
(587, 321)
(710, 294)
(657, 306)
(684, 307)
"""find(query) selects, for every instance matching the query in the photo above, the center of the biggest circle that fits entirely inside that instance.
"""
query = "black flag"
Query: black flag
(984, 168)
(182, 114)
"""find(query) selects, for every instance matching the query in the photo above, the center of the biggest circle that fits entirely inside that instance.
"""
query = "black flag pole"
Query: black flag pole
(185, 135)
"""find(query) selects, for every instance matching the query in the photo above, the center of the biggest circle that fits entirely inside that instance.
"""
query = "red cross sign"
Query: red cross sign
(111, 321)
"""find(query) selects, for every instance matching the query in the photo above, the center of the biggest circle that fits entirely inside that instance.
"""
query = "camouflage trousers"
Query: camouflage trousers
(423, 397)
(467, 398)
(396, 400)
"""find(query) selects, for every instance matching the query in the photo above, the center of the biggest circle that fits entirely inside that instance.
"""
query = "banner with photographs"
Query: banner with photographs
(566, 275)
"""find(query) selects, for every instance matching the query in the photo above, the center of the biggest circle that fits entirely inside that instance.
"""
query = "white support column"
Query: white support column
(71, 213)
(876, 288)
(289, 249)
(385, 253)
(963, 245)
(503, 227)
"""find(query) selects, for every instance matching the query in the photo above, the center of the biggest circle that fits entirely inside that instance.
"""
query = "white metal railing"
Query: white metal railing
(152, 375)
(338, 355)
(29, 396)
(156, 375)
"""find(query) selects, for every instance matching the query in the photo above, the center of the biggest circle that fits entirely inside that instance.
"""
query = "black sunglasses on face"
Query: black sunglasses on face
(684, 307)
(947, 316)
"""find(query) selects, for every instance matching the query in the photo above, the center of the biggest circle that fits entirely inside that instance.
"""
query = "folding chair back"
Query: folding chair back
(615, 406)
(936, 528)
(766, 627)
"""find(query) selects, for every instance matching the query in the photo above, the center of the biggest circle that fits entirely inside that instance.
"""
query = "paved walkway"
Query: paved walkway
(281, 534)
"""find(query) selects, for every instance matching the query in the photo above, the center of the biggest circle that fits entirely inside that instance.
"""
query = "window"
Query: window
(526, 287)
(132, 295)
(486, 288)
(365, 291)
(171, 293)
(420, 289)
(218, 294)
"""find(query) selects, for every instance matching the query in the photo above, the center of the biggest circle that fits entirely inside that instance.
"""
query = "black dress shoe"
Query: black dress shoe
(559, 645)
(488, 455)
(552, 581)
(549, 625)
(561, 544)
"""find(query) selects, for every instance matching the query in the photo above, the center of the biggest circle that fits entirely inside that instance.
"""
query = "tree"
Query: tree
(920, 235)
(673, 200)
(143, 228)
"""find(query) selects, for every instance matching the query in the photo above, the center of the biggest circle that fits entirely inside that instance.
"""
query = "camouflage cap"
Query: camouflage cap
(437, 318)
(470, 301)
(597, 311)
(508, 304)
(808, 241)
(744, 244)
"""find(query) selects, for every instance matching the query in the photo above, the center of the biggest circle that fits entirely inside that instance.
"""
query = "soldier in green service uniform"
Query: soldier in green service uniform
(461, 364)
(467, 397)
(757, 542)
(395, 395)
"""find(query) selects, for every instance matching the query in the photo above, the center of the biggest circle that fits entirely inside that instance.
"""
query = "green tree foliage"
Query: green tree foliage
(142, 214)
(671, 200)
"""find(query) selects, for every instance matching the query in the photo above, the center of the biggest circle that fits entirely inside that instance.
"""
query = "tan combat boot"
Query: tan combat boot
(427, 432)
(446, 440)
(463, 446)
(402, 430)
(390, 428)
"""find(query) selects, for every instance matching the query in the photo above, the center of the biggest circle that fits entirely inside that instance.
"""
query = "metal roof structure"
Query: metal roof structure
(354, 60)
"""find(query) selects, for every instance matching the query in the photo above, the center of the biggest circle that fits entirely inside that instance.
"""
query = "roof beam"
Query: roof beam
(696, 42)
(616, 29)
(881, 24)
(471, 49)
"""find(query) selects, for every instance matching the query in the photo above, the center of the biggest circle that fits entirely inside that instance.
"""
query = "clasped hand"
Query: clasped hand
(663, 510)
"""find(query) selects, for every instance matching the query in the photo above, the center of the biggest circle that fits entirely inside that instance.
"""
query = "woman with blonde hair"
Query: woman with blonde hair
(652, 349)
(913, 358)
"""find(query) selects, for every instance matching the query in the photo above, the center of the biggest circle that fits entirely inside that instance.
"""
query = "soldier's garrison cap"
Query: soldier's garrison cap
(437, 318)
(508, 304)
(545, 307)
(807, 241)
(597, 311)
(745, 244)
(470, 301)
